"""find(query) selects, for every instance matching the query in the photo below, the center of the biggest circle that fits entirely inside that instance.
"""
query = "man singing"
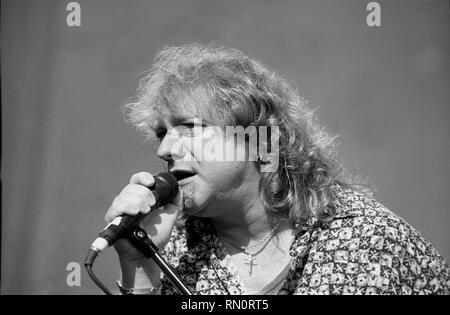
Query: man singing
(277, 215)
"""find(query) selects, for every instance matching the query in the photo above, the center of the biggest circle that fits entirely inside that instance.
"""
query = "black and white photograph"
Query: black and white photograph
(206, 147)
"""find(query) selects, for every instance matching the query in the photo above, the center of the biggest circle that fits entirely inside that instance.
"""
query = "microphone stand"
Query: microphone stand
(143, 243)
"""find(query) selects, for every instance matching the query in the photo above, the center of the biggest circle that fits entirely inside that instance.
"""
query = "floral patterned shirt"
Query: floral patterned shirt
(364, 249)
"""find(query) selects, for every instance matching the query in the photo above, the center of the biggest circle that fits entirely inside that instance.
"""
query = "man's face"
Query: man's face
(212, 185)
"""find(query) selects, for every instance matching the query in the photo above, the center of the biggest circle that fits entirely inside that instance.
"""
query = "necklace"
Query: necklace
(262, 242)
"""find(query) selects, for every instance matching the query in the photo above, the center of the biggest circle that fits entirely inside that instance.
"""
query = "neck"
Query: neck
(250, 225)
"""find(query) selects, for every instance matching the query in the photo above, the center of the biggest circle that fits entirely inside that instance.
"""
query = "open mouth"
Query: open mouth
(182, 174)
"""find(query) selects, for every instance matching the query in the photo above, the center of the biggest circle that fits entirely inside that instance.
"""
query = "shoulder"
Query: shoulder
(359, 216)
(366, 248)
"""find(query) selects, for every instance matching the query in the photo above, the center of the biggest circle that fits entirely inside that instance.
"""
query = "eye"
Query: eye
(193, 124)
(195, 129)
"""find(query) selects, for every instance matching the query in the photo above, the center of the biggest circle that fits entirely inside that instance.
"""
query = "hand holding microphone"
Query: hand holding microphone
(153, 201)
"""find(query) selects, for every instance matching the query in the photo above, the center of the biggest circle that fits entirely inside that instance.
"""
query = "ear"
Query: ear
(268, 148)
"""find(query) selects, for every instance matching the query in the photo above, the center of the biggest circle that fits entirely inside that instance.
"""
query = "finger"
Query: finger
(141, 191)
(143, 178)
(129, 205)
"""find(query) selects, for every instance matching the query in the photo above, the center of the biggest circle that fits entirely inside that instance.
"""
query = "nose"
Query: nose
(164, 149)
(170, 147)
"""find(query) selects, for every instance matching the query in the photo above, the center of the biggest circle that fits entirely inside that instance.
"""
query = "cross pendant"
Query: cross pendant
(251, 262)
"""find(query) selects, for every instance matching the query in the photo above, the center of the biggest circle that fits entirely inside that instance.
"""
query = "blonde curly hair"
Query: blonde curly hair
(243, 92)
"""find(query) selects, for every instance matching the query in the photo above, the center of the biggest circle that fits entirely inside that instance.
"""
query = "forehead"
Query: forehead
(190, 104)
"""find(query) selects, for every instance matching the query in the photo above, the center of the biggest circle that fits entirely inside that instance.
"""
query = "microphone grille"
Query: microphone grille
(166, 186)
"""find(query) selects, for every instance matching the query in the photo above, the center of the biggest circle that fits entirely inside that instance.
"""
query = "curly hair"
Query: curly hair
(243, 92)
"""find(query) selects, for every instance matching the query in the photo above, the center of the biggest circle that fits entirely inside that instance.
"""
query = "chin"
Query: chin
(189, 205)
(192, 206)
(197, 197)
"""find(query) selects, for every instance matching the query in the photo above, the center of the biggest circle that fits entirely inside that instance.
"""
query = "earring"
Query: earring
(259, 160)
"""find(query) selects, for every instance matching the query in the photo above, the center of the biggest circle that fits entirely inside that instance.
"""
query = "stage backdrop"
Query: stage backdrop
(66, 150)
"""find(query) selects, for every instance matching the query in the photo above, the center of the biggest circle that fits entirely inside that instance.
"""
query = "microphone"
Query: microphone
(164, 190)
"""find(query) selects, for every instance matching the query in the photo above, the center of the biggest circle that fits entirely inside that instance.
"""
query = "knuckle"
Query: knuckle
(135, 200)
(123, 206)
(145, 208)
(151, 200)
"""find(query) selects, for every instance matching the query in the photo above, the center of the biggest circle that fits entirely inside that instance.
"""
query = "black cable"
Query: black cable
(97, 282)
(89, 261)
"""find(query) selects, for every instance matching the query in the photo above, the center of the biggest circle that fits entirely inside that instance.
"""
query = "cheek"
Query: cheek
(223, 176)
(215, 178)
(224, 172)
(210, 145)
(216, 184)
